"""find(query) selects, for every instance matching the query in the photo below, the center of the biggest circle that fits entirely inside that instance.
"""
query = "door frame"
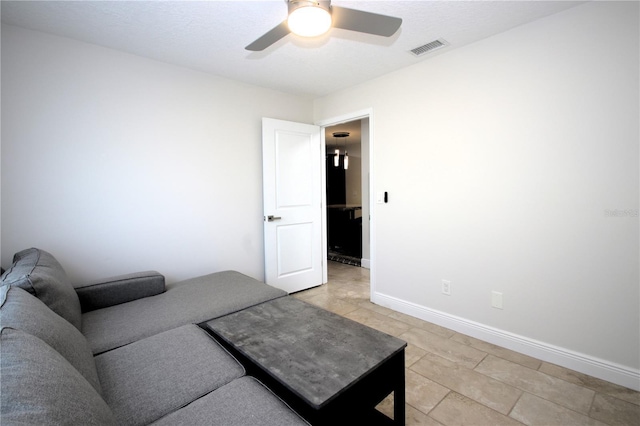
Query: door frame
(344, 118)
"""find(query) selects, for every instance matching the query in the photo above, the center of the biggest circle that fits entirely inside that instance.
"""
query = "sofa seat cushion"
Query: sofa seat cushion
(23, 311)
(244, 401)
(39, 273)
(152, 377)
(191, 301)
(40, 387)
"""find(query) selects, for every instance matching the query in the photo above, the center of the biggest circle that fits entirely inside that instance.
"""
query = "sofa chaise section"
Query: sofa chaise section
(153, 363)
(187, 302)
(120, 310)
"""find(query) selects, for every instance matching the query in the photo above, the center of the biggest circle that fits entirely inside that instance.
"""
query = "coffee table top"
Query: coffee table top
(313, 352)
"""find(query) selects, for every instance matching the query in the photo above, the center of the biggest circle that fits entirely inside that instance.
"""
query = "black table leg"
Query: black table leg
(399, 392)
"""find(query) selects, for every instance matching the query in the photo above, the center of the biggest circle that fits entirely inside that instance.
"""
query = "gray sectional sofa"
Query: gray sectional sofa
(125, 350)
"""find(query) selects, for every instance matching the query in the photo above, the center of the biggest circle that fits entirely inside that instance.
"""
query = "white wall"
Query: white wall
(117, 163)
(501, 160)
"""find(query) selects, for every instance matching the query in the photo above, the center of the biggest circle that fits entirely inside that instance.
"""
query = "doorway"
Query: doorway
(347, 192)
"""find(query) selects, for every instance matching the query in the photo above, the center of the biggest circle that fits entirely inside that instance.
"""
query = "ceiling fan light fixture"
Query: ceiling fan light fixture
(308, 18)
(311, 18)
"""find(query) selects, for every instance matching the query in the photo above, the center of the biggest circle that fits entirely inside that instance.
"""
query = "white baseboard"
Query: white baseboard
(365, 263)
(582, 363)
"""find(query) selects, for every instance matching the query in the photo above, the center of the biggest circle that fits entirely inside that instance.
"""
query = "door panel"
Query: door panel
(294, 178)
(295, 250)
(292, 198)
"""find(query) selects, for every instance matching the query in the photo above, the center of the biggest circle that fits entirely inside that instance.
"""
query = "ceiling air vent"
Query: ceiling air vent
(429, 47)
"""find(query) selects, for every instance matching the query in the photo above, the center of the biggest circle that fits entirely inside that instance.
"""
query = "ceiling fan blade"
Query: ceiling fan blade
(364, 22)
(269, 37)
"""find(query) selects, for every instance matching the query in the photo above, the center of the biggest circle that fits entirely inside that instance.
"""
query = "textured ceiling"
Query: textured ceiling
(210, 35)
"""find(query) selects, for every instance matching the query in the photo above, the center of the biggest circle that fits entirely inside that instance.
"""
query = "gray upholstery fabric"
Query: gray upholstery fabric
(40, 274)
(244, 401)
(115, 290)
(22, 311)
(40, 387)
(150, 378)
(191, 301)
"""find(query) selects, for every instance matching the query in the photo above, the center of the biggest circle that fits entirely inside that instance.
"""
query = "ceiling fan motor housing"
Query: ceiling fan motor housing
(309, 18)
(296, 4)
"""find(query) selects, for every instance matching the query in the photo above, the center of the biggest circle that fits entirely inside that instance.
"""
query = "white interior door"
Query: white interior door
(292, 160)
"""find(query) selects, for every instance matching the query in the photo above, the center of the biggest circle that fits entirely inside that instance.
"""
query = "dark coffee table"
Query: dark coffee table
(328, 368)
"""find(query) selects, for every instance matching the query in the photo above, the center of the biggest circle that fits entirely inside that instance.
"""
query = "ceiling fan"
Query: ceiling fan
(312, 18)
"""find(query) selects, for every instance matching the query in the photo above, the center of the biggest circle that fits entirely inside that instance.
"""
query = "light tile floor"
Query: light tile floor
(453, 379)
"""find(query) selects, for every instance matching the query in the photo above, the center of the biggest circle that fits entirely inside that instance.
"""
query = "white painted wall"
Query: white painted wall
(117, 163)
(502, 160)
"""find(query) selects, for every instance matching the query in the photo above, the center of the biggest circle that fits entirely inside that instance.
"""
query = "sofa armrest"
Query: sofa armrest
(120, 289)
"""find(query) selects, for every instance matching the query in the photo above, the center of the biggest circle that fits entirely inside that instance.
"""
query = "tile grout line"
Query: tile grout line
(437, 405)
(544, 397)
(523, 391)
(593, 399)
(551, 373)
(514, 406)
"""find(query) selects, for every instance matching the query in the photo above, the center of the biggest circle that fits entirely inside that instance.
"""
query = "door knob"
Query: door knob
(272, 218)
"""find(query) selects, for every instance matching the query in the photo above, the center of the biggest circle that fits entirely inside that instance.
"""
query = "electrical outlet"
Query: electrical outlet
(496, 299)
(446, 287)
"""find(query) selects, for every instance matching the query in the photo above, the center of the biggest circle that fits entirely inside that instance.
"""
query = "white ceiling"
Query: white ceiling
(210, 36)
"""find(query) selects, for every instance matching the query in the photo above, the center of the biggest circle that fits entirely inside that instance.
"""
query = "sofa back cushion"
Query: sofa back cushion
(22, 311)
(39, 273)
(39, 386)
